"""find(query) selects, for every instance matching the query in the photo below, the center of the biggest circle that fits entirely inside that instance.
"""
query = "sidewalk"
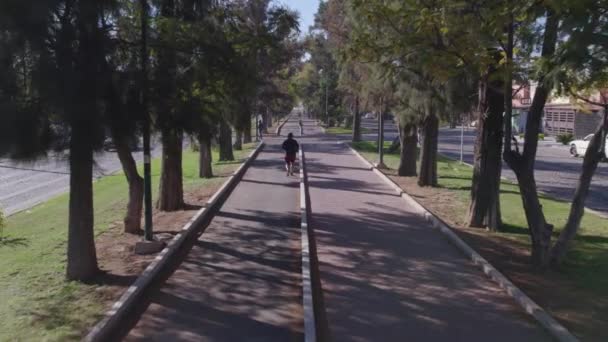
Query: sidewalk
(241, 280)
(386, 274)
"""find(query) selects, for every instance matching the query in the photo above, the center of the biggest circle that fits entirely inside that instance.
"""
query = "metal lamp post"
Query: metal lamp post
(461, 140)
(326, 95)
(149, 245)
(148, 231)
(326, 100)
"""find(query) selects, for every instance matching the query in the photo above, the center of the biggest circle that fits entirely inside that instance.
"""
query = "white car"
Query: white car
(369, 116)
(579, 147)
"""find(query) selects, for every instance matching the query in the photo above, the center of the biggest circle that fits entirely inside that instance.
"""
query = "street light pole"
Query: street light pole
(148, 231)
(326, 96)
(461, 140)
(380, 164)
(324, 79)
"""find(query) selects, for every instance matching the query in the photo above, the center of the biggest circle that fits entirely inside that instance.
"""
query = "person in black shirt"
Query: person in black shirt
(291, 147)
(260, 128)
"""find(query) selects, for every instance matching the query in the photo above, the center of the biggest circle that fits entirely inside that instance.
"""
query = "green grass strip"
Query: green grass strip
(36, 302)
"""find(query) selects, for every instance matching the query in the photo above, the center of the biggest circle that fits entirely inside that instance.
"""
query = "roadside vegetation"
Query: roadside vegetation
(37, 303)
(202, 69)
(83, 75)
(442, 61)
(565, 138)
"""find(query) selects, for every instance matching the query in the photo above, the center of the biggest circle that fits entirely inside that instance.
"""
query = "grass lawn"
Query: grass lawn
(343, 130)
(36, 303)
(585, 273)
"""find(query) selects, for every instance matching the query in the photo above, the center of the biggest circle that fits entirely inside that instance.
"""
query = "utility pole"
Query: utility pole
(148, 245)
(148, 231)
(380, 164)
(326, 100)
(461, 140)
(324, 79)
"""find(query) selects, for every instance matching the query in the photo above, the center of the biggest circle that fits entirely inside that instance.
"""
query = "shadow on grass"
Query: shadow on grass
(371, 147)
(188, 206)
(454, 177)
(14, 242)
(107, 278)
(454, 187)
(520, 230)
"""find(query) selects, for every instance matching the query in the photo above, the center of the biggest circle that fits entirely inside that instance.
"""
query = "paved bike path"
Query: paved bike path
(386, 274)
(241, 280)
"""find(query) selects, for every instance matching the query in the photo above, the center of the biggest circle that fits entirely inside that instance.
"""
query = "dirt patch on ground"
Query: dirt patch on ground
(120, 265)
(583, 313)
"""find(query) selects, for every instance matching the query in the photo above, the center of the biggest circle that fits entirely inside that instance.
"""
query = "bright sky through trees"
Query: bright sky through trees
(306, 8)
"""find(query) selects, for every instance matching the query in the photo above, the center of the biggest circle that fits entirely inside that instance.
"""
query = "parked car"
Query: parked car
(579, 147)
(369, 116)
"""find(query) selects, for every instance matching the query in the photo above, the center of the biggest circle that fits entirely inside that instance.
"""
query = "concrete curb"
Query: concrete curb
(554, 328)
(103, 330)
(588, 210)
(310, 331)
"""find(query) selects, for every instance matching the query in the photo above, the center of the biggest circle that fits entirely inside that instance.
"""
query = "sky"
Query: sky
(307, 10)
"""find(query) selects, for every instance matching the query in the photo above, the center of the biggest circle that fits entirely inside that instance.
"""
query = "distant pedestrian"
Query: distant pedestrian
(260, 128)
(291, 148)
(301, 127)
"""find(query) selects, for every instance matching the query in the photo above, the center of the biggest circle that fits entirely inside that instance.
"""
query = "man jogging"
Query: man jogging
(291, 147)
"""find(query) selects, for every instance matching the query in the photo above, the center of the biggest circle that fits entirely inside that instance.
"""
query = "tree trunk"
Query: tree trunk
(205, 160)
(171, 193)
(247, 138)
(595, 153)
(238, 141)
(82, 257)
(428, 153)
(356, 121)
(83, 116)
(267, 121)
(523, 164)
(484, 210)
(408, 137)
(132, 218)
(225, 142)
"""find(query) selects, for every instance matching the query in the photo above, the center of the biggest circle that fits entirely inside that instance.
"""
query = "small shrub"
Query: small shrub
(565, 138)
(521, 135)
(541, 136)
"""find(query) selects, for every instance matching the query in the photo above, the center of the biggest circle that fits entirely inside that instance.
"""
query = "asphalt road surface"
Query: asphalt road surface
(241, 280)
(556, 171)
(25, 184)
(385, 275)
